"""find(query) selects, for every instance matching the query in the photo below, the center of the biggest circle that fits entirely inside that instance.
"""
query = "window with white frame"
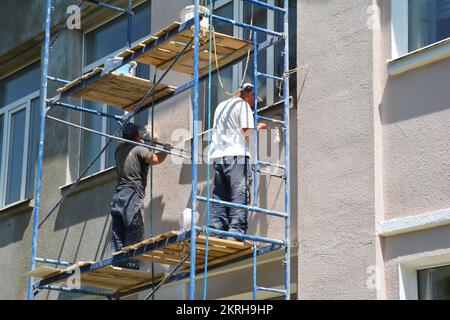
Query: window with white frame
(434, 283)
(270, 61)
(19, 132)
(101, 43)
(418, 23)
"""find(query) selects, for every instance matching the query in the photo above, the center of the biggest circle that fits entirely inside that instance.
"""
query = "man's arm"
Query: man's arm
(248, 132)
(159, 157)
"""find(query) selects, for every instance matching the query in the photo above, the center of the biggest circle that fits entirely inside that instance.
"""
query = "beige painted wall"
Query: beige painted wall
(414, 115)
(336, 151)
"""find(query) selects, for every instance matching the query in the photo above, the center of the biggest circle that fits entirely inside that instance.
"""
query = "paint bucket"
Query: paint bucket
(185, 219)
(188, 13)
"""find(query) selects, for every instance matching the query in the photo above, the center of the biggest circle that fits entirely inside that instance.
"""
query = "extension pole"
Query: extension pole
(44, 83)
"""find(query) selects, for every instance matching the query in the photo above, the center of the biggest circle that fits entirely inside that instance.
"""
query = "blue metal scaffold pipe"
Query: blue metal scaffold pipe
(55, 262)
(265, 5)
(87, 110)
(130, 23)
(194, 149)
(44, 83)
(255, 114)
(255, 152)
(287, 199)
(109, 6)
(246, 26)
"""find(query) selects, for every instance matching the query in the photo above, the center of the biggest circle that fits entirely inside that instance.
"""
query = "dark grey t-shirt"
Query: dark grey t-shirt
(132, 169)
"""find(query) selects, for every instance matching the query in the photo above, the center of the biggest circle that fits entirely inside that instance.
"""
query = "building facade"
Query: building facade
(369, 117)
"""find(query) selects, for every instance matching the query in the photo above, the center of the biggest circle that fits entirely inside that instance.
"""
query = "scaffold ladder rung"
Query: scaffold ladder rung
(269, 76)
(271, 120)
(271, 290)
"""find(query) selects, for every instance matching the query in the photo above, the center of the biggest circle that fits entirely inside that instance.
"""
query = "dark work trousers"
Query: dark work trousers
(232, 182)
(127, 223)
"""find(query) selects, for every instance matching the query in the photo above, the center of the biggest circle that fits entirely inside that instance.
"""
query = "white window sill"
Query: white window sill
(93, 181)
(414, 223)
(419, 58)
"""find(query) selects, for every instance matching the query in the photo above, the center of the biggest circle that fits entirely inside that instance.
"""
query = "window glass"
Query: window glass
(259, 18)
(91, 142)
(33, 146)
(226, 74)
(279, 48)
(141, 119)
(111, 127)
(15, 156)
(434, 284)
(429, 22)
(112, 36)
(20, 84)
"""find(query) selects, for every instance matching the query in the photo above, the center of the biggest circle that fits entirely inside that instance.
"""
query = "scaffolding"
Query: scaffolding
(186, 48)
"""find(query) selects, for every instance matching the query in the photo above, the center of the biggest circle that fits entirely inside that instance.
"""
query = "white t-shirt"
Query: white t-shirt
(230, 117)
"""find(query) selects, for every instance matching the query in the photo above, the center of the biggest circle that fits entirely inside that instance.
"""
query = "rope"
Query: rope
(108, 143)
(248, 52)
(208, 166)
(217, 61)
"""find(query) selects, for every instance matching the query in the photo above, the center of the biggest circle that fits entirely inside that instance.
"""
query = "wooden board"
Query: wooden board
(117, 89)
(117, 279)
(108, 277)
(162, 54)
(121, 280)
(219, 250)
(43, 272)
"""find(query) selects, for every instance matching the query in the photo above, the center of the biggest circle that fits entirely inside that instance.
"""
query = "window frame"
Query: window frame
(408, 272)
(98, 63)
(400, 30)
(8, 111)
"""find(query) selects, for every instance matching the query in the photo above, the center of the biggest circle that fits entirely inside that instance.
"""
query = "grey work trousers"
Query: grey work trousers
(127, 223)
(232, 182)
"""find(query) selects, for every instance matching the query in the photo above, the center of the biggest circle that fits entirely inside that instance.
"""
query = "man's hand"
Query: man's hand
(148, 131)
(168, 147)
(262, 126)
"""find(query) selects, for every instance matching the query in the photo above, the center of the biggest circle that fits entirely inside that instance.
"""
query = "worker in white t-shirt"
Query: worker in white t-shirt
(233, 124)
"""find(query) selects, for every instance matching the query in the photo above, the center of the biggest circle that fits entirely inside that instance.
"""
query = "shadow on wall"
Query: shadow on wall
(186, 174)
(416, 93)
(85, 206)
(160, 225)
(13, 229)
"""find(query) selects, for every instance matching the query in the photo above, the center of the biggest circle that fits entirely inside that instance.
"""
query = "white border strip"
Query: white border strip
(414, 223)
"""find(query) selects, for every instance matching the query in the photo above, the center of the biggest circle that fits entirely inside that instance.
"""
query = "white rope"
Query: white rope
(246, 63)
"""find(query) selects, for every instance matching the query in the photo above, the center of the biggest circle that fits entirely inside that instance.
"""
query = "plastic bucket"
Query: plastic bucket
(188, 13)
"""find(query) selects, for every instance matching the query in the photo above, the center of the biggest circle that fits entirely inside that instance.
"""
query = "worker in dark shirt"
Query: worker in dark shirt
(133, 163)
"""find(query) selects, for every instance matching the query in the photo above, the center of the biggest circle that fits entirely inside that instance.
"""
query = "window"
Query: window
(269, 61)
(418, 23)
(429, 22)
(434, 284)
(19, 132)
(99, 44)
